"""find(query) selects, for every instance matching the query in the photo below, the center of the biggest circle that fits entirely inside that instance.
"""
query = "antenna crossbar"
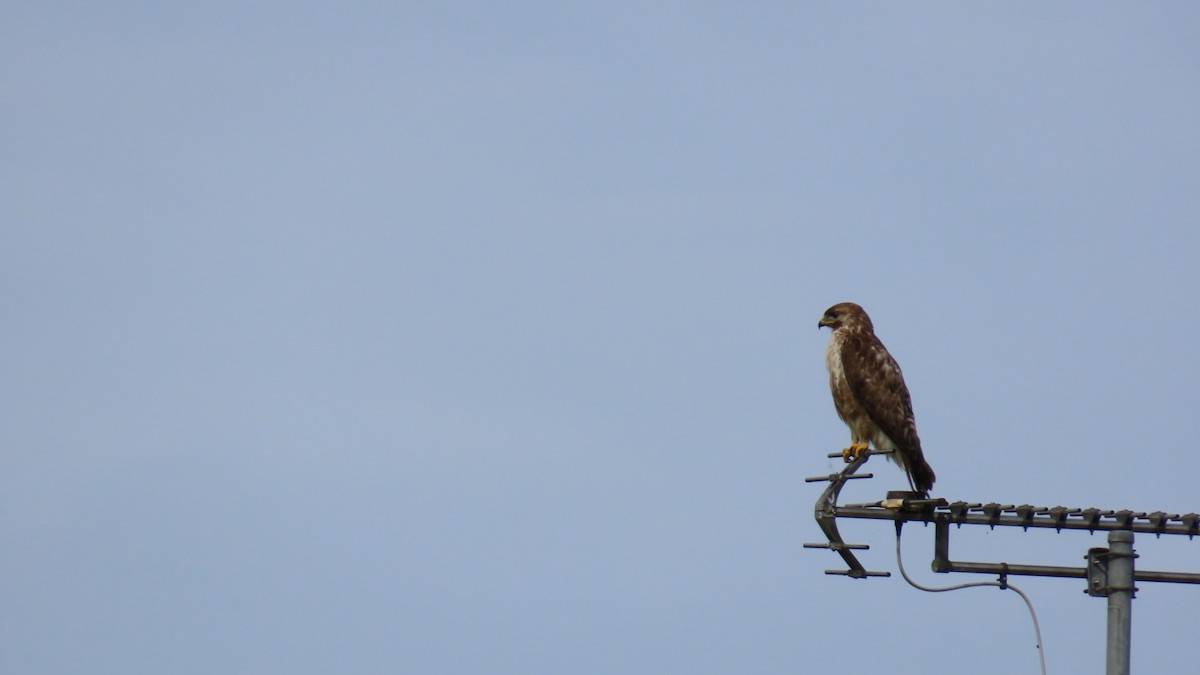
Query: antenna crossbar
(1110, 572)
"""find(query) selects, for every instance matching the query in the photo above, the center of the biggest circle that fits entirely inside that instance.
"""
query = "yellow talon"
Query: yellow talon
(853, 452)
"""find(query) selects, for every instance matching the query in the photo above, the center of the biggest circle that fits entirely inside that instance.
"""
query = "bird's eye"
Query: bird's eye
(833, 315)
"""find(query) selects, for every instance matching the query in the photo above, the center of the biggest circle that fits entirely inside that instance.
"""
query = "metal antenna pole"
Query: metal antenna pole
(1109, 571)
(1120, 600)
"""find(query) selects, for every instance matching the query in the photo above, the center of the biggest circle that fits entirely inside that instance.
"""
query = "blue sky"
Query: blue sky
(466, 338)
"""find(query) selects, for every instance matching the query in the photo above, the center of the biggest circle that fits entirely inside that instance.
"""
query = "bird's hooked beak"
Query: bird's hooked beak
(825, 321)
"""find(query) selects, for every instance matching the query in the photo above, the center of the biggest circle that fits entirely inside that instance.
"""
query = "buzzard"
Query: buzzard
(869, 394)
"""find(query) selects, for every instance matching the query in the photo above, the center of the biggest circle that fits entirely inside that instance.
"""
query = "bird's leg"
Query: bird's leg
(854, 451)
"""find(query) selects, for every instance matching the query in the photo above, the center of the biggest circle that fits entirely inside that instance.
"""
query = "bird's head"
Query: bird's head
(846, 315)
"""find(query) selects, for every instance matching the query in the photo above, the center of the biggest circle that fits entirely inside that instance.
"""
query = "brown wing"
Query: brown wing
(875, 379)
(877, 383)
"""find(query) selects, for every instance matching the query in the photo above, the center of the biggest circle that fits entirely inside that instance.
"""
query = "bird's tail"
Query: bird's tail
(921, 475)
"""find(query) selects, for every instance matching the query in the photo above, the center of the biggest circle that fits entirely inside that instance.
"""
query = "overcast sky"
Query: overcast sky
(481, 337)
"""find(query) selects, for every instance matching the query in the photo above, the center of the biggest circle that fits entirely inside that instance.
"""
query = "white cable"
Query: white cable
(1037, 631)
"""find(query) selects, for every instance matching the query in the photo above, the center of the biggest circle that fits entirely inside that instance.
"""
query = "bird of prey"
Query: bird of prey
(870, 395)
